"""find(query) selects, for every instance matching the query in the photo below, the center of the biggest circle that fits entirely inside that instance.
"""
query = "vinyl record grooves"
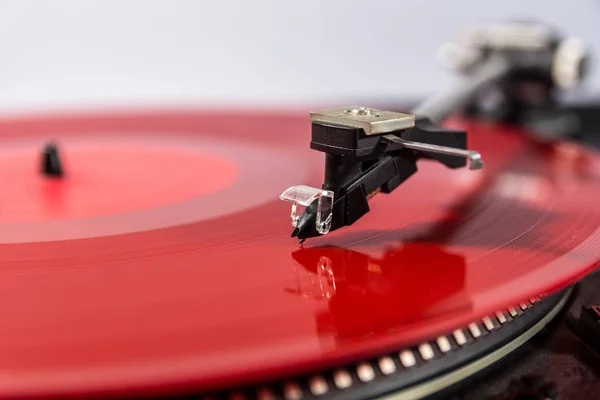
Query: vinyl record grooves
(171, 270)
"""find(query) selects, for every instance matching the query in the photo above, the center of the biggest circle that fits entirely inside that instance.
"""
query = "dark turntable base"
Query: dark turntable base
(557, 356)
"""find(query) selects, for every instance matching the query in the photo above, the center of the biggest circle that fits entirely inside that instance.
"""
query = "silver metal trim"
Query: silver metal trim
(342, 379)
(371, 120)
(501, 317)
(426, 351)
(460, 337)
(435, 385)
(407, 358)
(474, 329)
(487, 322)
(318, 385)
(567, 62)
(473, 157)
(365, 372)
(387, 365)
(443, 344)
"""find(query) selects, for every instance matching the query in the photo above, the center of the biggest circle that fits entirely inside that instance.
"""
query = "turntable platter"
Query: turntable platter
(201, 286)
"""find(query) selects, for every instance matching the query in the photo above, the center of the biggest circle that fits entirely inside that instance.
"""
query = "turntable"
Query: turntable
(446, 249)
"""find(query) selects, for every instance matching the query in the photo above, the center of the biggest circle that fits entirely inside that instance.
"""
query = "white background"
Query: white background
(263, 53)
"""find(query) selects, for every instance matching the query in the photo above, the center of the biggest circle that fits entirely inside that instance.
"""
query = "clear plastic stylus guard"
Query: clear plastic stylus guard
(304, 196)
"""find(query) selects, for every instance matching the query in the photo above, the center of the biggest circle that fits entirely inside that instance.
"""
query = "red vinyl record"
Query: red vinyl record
(163, 259)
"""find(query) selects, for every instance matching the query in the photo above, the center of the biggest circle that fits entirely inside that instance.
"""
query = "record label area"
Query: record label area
(119, 179)
(106, 178)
